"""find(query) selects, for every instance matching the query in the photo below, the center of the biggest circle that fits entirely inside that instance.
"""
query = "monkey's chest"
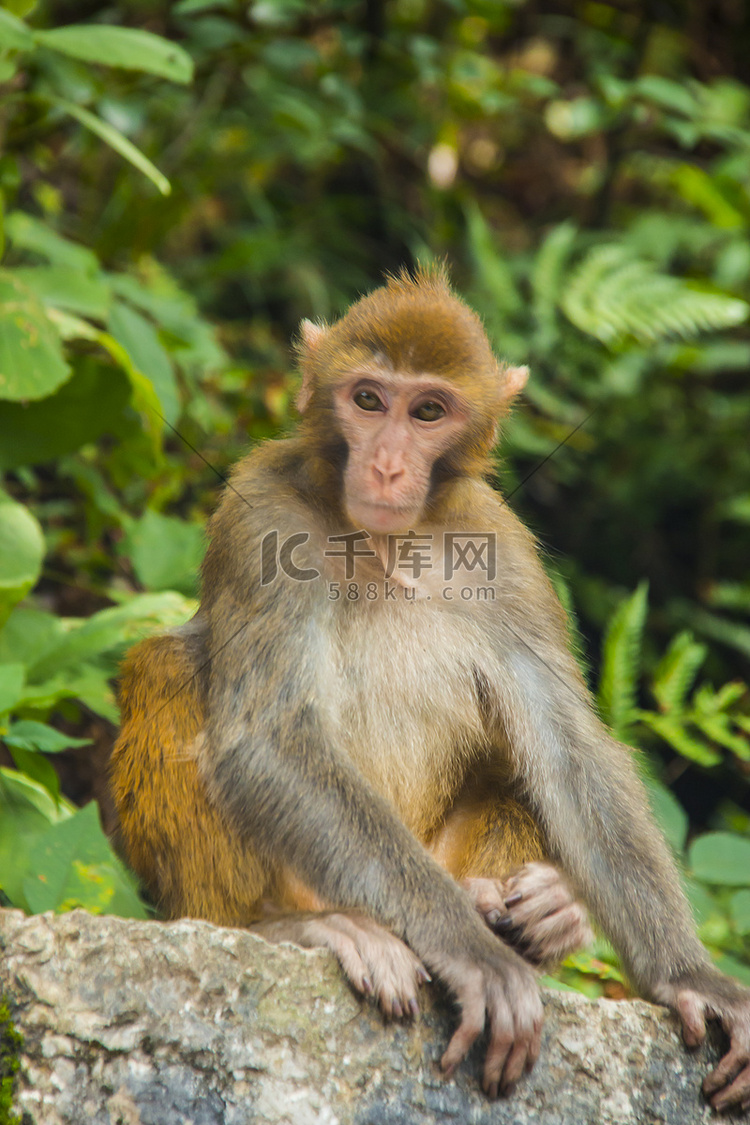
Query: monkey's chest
(401, 701)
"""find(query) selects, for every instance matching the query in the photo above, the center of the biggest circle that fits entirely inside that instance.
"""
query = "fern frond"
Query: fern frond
(614, 295)
(621, 659)
(677, 670)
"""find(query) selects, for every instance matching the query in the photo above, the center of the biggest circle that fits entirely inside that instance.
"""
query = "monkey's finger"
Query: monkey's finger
(473, 1012)
(737, 1093)
(533, 907)
(690, 1009)
(354, 967)
(729, 1068)
(557, 935)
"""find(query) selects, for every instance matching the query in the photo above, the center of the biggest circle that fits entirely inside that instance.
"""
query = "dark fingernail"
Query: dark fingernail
(504, 923)
(425, 976)
(414, 1006)
(396, 1008)
(513, 900)
(367, 986)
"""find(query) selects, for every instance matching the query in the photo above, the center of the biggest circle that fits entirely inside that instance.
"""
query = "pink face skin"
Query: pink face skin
(395, 426)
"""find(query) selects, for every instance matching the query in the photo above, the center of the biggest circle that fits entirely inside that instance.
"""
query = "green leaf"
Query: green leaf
(27, 734)
(494, 275)
(93, 402)
(12, 677)
(671, 817)
(125, 47)
(730, 633)
(621, 661)
(677, 670)
(26, 811)
(613, 295)
(37, 768)
(31, 359)
(667, 93)
(733, 967)
(674, 732)
(72, 864)
(721, 857)
(14, 34)
(145, 399)
(22, 550)
(140, 340)
(61, 287)
(166, 553)
(114, 138)
(717, 728)
(114, 628)
(28, 233)
(738, 508)
(739, 908)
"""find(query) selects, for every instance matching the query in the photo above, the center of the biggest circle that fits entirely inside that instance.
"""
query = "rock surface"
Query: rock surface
(141, 1023)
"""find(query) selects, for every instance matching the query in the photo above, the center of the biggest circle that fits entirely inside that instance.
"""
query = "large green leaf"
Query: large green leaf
(29, 233)
(165, 552)
(21, 553)
(60, 286)
(26, 812)
(12, 677)
(113, 629)
(139, 338)
(28, 634)
(90, 404)
(126, 47)
(14, 34)
(72, 864)
(672, 818)
(32, 365)
(721, 857)
(27, 734)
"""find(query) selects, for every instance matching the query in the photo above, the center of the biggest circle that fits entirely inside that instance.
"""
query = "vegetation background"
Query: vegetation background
(183, 182)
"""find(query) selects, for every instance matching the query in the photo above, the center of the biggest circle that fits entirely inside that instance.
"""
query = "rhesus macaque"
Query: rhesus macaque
(373, 735)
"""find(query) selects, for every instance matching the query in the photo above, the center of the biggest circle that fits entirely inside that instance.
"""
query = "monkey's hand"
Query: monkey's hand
(375, 962)
(534, 911)
(708, 994)
(499, 990)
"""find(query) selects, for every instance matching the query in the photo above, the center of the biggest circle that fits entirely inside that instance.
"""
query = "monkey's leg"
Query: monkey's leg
(494, 847)
(188, 857)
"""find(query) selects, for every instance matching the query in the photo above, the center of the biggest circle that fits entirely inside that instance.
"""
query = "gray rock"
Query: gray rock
(142, 1023)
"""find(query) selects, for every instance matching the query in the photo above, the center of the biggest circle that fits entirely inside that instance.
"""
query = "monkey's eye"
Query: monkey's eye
(368, 400)
(429, 411)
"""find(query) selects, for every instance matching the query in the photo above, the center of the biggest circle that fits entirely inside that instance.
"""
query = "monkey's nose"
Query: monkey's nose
(387, 469)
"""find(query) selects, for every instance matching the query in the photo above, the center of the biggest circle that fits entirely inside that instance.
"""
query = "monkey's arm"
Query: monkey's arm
(273, 765)
(592, 806)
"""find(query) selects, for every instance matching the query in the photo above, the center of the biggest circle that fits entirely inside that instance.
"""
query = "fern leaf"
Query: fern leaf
(614, 295)
(621, 661)
(673, 732)
(677, 670)
(717, 728)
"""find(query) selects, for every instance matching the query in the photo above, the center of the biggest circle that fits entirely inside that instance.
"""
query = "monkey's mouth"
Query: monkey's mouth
(382, 517)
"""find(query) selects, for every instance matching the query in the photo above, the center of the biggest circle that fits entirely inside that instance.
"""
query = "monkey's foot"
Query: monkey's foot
(534, 911)
(375, 961)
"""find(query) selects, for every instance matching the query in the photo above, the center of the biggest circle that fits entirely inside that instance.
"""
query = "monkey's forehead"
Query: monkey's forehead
(415, 334)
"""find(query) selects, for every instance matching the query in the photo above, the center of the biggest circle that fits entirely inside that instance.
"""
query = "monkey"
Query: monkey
(374, 735)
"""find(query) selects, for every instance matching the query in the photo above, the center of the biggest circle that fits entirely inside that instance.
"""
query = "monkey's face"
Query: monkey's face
(395, 426)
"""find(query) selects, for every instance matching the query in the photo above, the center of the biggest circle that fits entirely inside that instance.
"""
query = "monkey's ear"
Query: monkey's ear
(310, 338)
(515, 379)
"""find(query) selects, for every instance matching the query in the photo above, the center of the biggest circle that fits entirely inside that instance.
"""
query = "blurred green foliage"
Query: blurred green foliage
(585, 171)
